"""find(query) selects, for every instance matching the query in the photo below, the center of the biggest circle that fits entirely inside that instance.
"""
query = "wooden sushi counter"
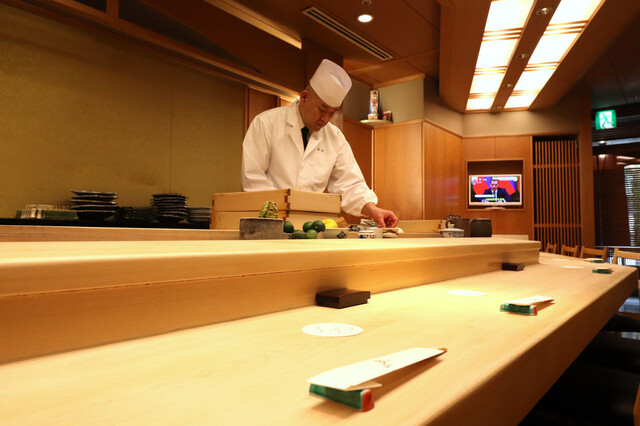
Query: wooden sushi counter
(210, 331)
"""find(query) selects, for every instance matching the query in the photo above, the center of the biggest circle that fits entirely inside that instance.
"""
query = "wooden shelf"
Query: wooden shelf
(376, 123)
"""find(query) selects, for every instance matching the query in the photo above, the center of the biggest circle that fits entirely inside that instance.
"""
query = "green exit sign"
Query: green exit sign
(606, 119)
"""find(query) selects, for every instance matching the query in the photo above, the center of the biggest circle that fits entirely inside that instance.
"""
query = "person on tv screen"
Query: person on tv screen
(496, 194)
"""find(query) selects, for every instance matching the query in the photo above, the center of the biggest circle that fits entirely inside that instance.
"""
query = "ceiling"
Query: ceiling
(260, 40)
(609, 64)
(408, 29)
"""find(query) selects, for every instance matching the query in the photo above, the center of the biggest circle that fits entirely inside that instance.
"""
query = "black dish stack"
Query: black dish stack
(94, 205)
(170, 207)
(199, 214)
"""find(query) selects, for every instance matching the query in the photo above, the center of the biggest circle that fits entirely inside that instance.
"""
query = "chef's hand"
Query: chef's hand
(383, 218)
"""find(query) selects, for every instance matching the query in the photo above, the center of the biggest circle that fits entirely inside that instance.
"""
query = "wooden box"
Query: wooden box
(293, 205)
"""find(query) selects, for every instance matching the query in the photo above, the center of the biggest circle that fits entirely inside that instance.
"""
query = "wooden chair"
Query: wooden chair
(629, 255)
(569, 251)
(621, 254)
(587, 252)
(551, 248)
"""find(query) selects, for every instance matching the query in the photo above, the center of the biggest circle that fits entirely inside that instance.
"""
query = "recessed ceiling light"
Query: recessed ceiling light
(544, 11)
(522, 55)
(365, 17)
(507, 85)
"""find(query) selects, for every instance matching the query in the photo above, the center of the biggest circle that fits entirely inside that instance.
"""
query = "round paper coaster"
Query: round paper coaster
(331, 330)
(466, 293)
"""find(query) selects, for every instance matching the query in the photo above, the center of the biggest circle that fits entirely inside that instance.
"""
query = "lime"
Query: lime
(318, 225)
(307, 226)
(312, 234)
(288, 227)
(298, 235)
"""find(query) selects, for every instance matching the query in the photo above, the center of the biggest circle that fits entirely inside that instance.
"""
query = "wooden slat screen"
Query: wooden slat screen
(556, 191)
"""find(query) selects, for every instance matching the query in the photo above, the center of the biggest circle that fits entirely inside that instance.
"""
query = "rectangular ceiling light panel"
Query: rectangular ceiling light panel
(501, 34)
(566, 25)
(488, 82)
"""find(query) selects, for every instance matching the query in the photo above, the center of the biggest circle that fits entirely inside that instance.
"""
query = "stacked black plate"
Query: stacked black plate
(170, 207)
(199, 214)
(94, 205)
(140, 214)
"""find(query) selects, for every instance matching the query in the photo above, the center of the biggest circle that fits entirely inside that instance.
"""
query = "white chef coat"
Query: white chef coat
(273, 157)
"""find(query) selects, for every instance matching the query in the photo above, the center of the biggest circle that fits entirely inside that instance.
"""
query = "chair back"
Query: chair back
(622, 254)
(551, 248)
(569, 251)
(592, 252)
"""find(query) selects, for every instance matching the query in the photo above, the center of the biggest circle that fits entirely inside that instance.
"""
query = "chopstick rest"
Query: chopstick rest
(526, 306)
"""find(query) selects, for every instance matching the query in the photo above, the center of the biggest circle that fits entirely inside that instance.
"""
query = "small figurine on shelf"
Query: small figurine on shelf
(373, 105)
(386, 115)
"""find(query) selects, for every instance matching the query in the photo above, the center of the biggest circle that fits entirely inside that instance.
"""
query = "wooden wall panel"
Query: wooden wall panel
(587, 203)
(257, 101)
(479, 148)
(398, 169)
(513, 147)
(518, 149)
(456, 187)
(434, 152)
(360, 138)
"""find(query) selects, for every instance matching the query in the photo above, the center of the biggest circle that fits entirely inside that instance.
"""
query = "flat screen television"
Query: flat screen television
(499, 190)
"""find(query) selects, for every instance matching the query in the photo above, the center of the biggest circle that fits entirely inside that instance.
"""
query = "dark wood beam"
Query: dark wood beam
(461, 30)
(76, 14)
(113, 7)
(271, 57)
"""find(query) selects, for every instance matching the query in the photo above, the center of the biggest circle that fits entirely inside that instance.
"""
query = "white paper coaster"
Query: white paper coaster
(466, 293)
(573, 267)
(331, 329)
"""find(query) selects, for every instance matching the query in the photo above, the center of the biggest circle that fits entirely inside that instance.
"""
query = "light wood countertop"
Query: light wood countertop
(254, 370)
(58, 296)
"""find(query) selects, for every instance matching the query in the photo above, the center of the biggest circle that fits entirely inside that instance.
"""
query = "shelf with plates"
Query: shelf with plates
(104, 223)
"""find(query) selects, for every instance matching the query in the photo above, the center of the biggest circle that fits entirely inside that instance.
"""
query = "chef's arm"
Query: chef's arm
(382, 217)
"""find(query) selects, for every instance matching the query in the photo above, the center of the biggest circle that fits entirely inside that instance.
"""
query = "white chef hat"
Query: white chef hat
(331, 83)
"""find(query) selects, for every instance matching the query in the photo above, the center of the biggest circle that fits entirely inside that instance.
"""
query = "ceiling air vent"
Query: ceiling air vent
(335, 26)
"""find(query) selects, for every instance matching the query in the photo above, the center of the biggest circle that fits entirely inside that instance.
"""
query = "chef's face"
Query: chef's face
(315, 113)
(494, 185)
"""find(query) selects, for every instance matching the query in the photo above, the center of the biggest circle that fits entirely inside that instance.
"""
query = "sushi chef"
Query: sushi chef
(296, 147)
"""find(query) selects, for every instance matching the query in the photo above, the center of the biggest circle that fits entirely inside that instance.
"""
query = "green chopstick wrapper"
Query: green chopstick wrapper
(519, 309)
(361, 399)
